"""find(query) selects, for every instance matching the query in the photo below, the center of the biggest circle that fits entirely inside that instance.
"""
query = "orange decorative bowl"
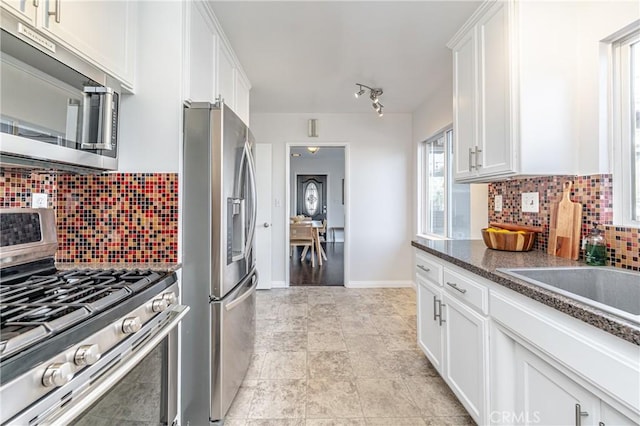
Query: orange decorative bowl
(502, 239)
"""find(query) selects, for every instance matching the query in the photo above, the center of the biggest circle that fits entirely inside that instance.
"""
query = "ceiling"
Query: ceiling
(306, 56)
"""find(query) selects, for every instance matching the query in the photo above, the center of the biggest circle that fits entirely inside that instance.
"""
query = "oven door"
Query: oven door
(141, 388)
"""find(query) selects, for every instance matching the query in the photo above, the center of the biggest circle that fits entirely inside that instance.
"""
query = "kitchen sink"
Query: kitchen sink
(610, 289)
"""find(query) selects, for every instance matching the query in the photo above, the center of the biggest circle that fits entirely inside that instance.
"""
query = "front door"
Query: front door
(312, 196)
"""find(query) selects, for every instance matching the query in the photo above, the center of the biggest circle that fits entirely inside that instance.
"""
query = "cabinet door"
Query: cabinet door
(466, 345)
(464, 107)
(202, 51)
(429, 329)
(242, 96)
(101, 31)
(226, 76)
(494, 128)
(545, 396)
(609, 416)
(27, 10)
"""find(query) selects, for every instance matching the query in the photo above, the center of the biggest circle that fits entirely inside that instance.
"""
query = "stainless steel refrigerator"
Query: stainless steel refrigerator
(219, 278)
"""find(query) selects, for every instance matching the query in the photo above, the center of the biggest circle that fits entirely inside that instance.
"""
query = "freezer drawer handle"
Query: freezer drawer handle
(239, 300)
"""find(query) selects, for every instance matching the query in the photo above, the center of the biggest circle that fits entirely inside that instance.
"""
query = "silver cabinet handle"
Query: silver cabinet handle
(580, 414)
(423, 268)
(471, 166)
(435, 308)
(35, 3)
(478, 163)
(455, 286)
(56, 11)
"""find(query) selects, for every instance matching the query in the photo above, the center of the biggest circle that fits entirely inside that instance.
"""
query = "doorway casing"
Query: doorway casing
(347, 256)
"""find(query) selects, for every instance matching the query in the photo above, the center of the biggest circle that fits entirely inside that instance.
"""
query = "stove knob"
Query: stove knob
(57, 374)
(87, 355)
(170, 297)
(159, 305)
(131, 325)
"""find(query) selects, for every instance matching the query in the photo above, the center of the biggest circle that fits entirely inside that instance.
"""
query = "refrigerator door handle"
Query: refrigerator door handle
(254, 279)
(254, 196)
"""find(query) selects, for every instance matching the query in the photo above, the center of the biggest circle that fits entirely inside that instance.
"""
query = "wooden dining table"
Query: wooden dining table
(317, 225)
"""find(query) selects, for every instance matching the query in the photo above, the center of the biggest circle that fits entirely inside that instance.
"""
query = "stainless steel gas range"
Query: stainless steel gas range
(82, 346)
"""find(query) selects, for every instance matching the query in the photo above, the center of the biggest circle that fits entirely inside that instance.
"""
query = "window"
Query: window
(626, 128)
(444, 207)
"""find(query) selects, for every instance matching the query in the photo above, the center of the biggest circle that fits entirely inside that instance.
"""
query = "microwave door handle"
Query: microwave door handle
(103, 137)
(254, 197)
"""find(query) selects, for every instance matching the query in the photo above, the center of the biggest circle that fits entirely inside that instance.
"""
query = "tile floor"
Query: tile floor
(335, 356)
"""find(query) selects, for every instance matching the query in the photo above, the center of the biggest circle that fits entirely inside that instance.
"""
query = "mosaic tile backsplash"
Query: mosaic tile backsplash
(114, 217)
(594, 192)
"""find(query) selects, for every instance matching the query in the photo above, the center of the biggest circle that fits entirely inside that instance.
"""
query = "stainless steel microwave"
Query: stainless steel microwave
(56, 111)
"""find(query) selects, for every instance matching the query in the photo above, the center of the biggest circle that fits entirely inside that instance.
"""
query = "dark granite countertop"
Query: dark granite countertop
(475, 257)
(154, 266)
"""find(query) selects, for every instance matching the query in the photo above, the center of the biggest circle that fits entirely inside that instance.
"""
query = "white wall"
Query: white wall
(434, 114)
(333, 167)
(151, 120)
(379, 188)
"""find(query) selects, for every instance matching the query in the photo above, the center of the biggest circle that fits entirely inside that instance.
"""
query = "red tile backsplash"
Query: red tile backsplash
(594, 192)
(114, 217)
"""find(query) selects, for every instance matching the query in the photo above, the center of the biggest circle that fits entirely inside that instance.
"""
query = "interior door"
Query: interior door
(263, 227)
(312, 196)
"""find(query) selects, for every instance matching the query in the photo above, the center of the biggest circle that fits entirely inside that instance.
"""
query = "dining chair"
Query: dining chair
(301, 235)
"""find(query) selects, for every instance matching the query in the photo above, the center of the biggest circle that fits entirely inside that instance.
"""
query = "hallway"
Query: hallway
(337, 356)
(331, 273)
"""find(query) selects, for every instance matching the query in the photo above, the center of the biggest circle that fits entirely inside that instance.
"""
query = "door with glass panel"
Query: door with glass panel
(312, 196)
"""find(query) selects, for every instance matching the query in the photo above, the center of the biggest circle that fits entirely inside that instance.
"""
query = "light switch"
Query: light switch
(497, 203)
(39, 201)
(530, 202)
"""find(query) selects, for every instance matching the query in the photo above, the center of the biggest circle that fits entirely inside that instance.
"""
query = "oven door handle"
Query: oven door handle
(104, 384)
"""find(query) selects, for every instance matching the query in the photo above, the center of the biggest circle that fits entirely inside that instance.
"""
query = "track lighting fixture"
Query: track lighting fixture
(374, 94)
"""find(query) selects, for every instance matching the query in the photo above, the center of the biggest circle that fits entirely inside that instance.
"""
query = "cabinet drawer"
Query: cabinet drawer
(465, 289)
(428, 269)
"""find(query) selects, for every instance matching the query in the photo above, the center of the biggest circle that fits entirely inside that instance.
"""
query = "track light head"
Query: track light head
(374, 94)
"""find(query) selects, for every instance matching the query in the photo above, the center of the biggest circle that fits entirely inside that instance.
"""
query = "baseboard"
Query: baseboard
(279, 284)
(380, 284)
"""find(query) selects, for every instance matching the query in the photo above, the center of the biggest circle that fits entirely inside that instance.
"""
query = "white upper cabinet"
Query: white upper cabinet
(212, 71)
(101, 32)
(202, 40)
(505, 123)
(27, 10)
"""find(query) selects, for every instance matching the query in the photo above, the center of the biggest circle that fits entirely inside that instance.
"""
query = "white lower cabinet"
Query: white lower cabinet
(465, 368)
(546, 396)
(430, 332)
(513, 361)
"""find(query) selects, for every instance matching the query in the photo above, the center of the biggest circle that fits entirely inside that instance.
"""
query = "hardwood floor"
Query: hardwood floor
(331, 273)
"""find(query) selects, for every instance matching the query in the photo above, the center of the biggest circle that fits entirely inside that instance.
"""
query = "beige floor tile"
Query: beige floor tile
(433, 397)
(389, 324)
(323, 310)
(317, 298)
(388, 398)
(266, 310)
(329, 365)
(449, 421)
(279, 399)
(283, 324)
(400, 341)
(406, 421)
(373, 364)
(326, 341)
(358, 324)
(364, 343)
(253, 373)
(411, 363)
(404, 308)
(288, 341)
(319, 324)
(274, 422)
(292, 310)
(332, 398)
(382, 308)
(264, 341)
(284, 365)
(235, 422)
(242, 402)
(336, 422)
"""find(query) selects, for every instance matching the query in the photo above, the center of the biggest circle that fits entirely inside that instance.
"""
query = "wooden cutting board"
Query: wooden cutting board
(565, 226)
